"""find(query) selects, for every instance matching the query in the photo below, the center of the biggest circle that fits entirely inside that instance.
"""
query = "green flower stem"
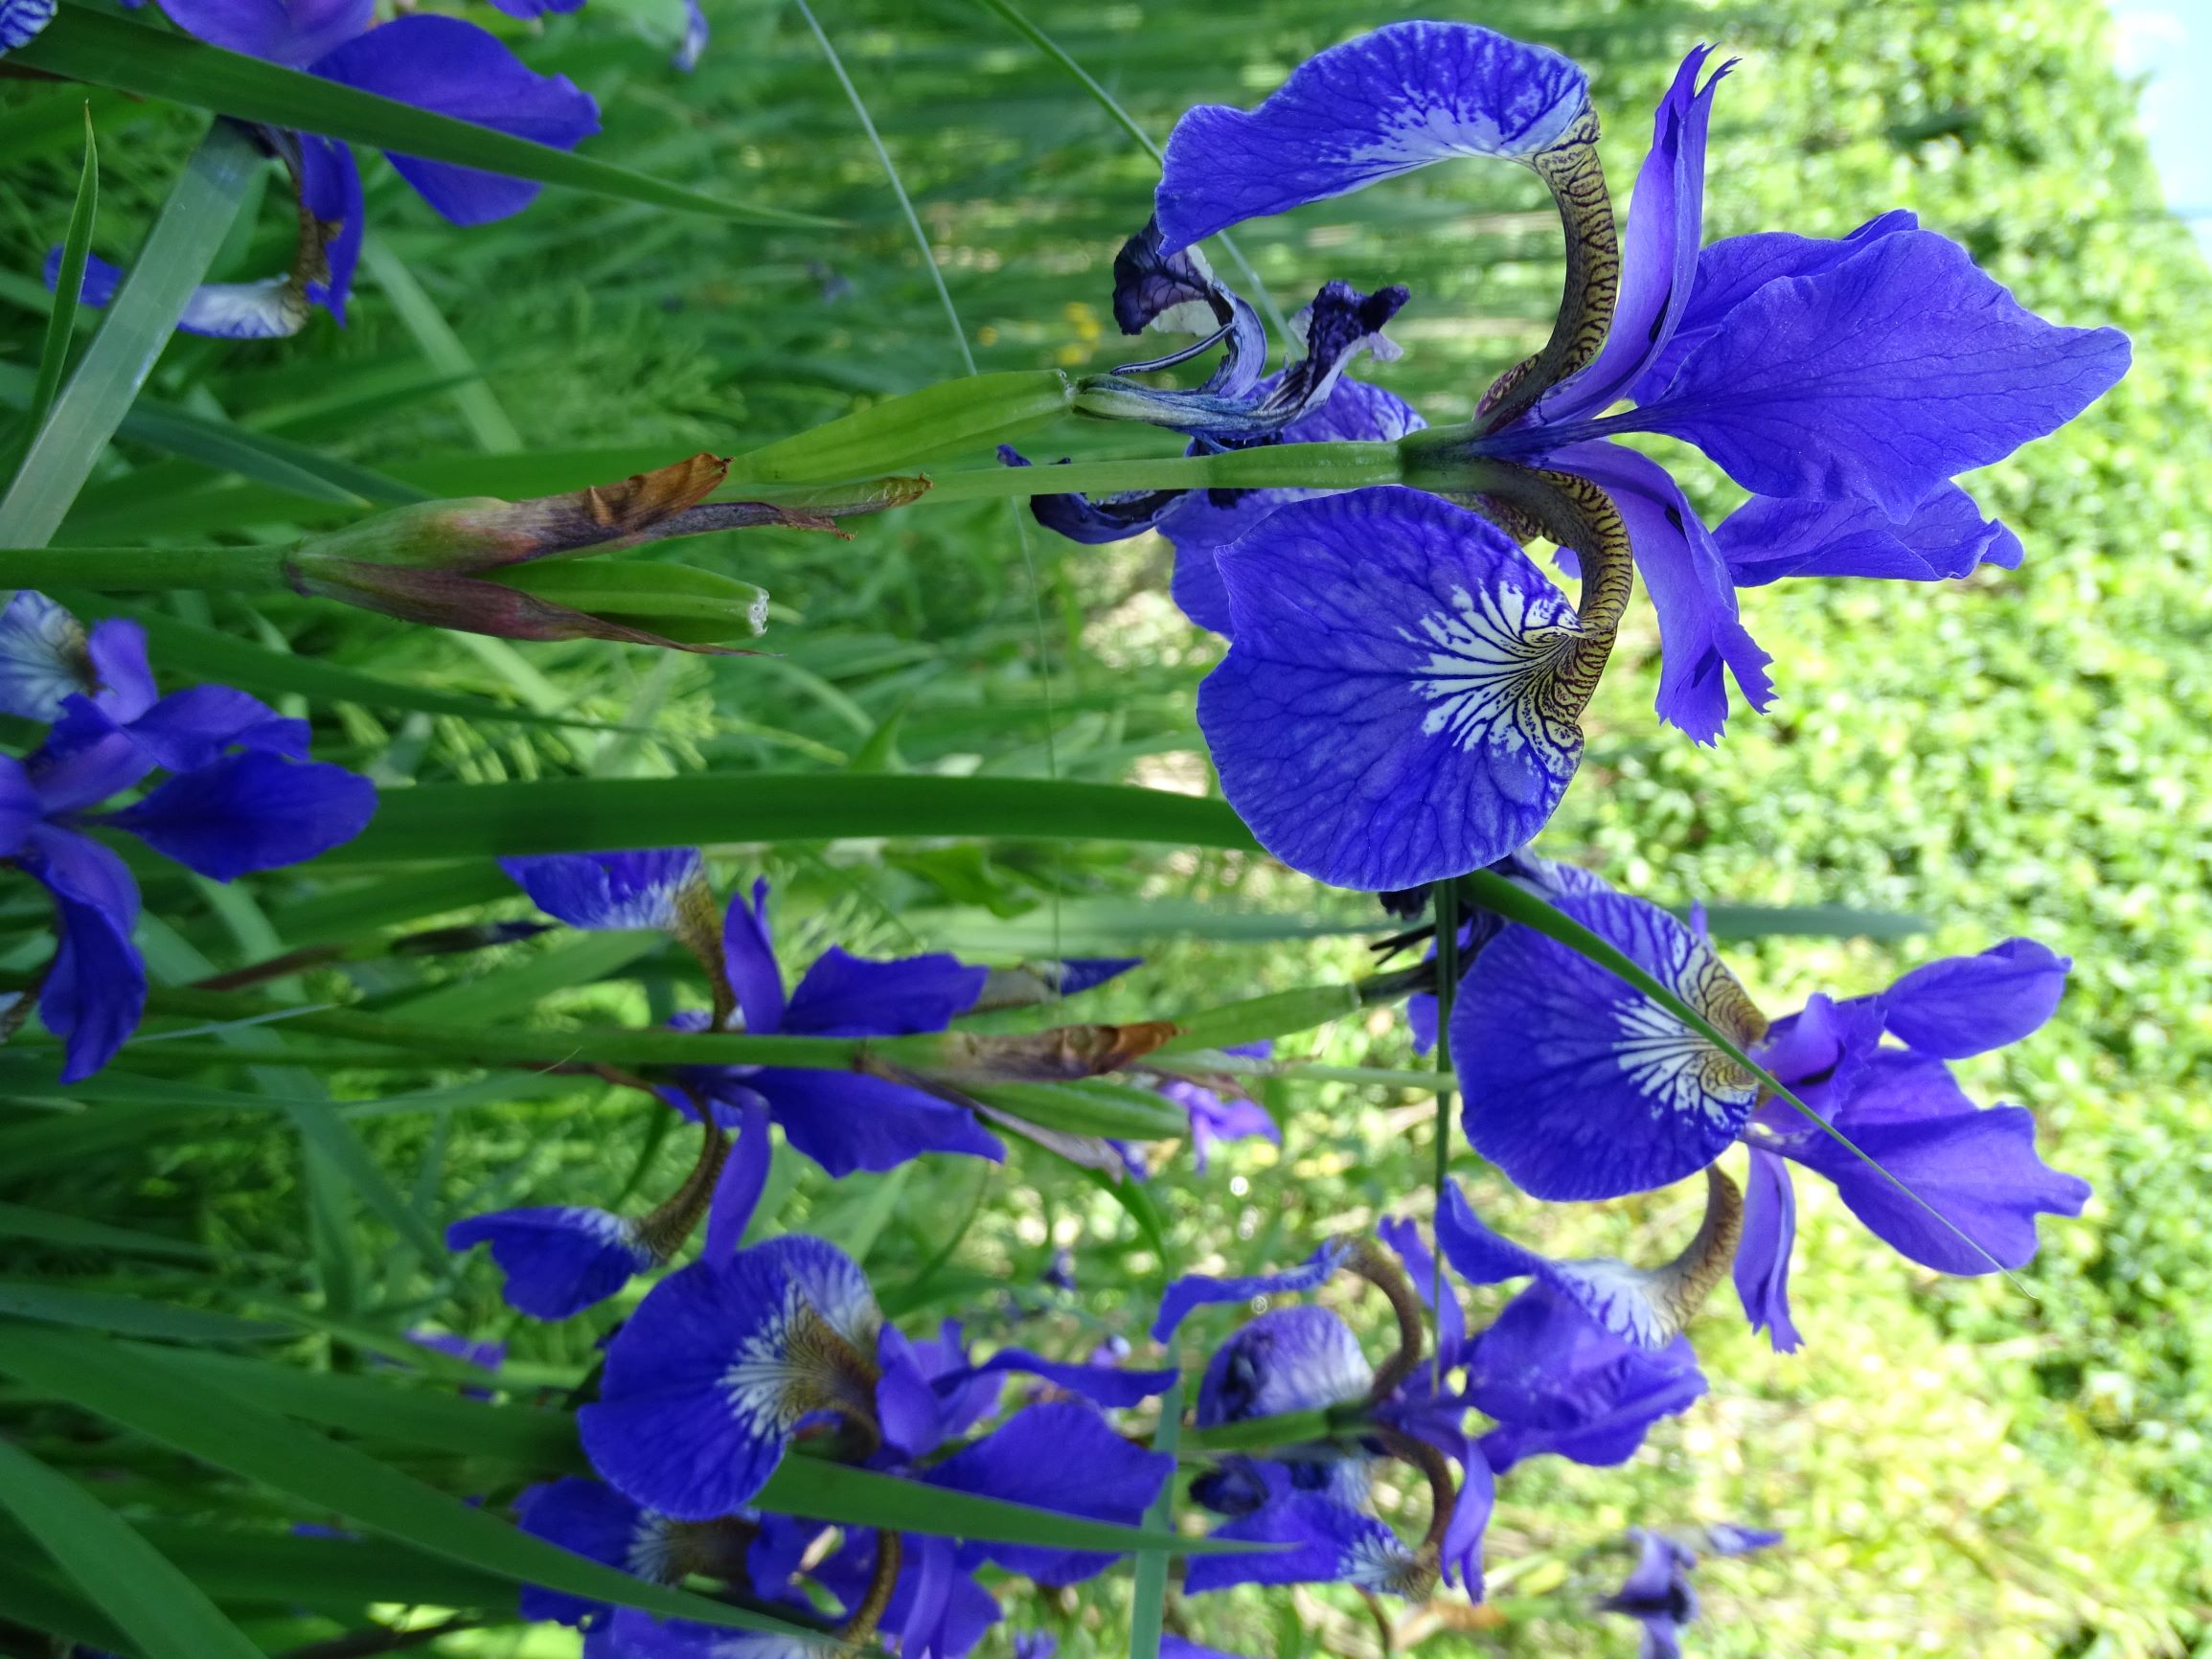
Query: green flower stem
(145, 569)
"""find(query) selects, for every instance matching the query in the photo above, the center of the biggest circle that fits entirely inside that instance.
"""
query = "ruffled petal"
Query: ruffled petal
(1976, 1168)
(1944, 537)
(1390, 709)
(1968, 1005)
(1587, 1089)
(1881, 377)
(1388, 103)
(558, 1259)
(1734, 268)
(456, 69)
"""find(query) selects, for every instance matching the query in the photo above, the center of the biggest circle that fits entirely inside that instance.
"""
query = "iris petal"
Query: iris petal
(1399, 700)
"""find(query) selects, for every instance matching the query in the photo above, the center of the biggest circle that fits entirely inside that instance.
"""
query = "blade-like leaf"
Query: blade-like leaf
(816, 1489)
(61, 321)
(77, 1233)
(127, 1578)
(141, 1390)
(192, 227)
(110, 51)
(593, 814)
(127, 1315)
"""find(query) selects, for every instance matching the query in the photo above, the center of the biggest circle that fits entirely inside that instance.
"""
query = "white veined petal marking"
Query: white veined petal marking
(1685, 1074)
(792, 1365)
(1491, 675)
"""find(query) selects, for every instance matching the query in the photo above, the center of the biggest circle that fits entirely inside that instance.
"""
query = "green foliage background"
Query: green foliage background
(1962, 1468)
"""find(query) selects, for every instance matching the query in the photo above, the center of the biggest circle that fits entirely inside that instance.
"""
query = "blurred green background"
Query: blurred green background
(1962, 1468)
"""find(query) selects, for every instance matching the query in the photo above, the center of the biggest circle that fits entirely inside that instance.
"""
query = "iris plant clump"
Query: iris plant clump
(1397, 712)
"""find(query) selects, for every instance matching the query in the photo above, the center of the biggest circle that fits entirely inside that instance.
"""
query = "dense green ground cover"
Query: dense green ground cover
(1983, 1467)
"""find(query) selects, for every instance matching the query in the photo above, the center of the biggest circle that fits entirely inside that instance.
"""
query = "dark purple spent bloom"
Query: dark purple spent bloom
(1658, 1593)
(558, 1259)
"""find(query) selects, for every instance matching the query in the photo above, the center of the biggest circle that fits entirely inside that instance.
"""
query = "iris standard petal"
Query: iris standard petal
(1976, 1168)
(1761, 1268)
(251, 811)
(191, 729)
(1880, 379)
(331, 189)
(1106, 1385)
(1195, 1290)
(720, 1362)
(1389, 101)
(1968, 1005)
(1946, 535)
(1399, 700)
(1734, 268)
(1589, 1089)
(1701, 639)
(750, 959)
(1061, 1456)
(456, 69)
(1658, 252)
(612, 890)
(558, 1259)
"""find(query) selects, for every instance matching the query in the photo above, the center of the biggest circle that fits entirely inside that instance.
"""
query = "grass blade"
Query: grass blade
(192, 227)
(127, 1578)
(592, 815)
(141, 1390)
(61, 321)
(108, 51)
(127, 1315)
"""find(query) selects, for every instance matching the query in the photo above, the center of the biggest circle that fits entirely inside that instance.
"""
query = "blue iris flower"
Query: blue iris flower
(1658, 1592)
(1655, 1101)
(22, 19)
(239, 797)
(434, 62)
(727, 1360)
(1402, 696)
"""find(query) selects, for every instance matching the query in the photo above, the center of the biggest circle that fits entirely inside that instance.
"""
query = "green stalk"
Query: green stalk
(185, 239)
(145, 569)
